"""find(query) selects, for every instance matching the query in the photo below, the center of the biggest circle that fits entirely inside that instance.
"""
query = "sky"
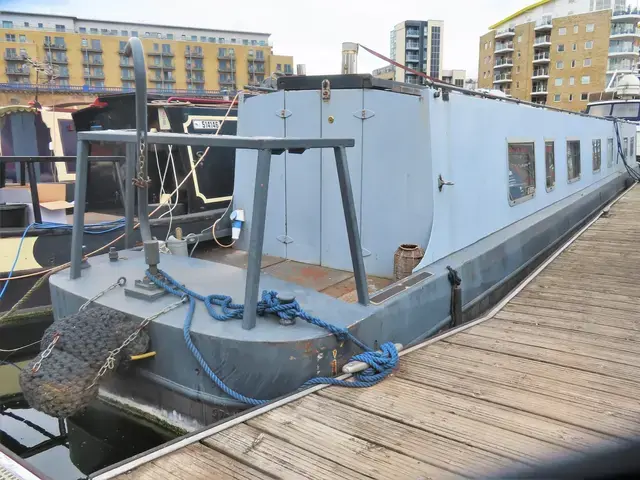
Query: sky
(311, 31)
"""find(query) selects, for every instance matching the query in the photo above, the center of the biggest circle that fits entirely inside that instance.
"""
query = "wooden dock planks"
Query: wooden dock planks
(554, 372)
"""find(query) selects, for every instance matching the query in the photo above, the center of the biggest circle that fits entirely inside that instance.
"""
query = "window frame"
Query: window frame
(596, 153)
(632, 149)
(610, 152)
(587, 43)
(579, 175)
(548, 141)
(532, 194)
(625, 148)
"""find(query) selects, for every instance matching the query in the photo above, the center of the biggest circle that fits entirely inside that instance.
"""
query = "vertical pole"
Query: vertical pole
(78, 209)
(352, 225)
(256, 239)
(33, 186)
(129, 194)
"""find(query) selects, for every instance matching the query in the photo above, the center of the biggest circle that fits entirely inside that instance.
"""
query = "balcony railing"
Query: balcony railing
(92, 49)
(540, 72)
(63, 59)
(620, 66)
(226, 56)
(623, 49)
(226, 69)
(544, 24)
(163, 80)
(124, 62)
(162, 66)
(55, 46)
(60, 74)
(14, 57)
(413, 32)
(542, 40)
(413, 45)
(539, 89)
(503, 46)
(97, 76)
(624, 29)
(94, 61)
(257, 71)
(227, 81)
(504, 62)
(195, 68)
(627, 12)
(195, 80)
(506, 32)
(503, 77)
(32, 87)
(256, 59)
(192, 54)
(17, 71)
(541, 57)
(412, 58)
(163, 54)
(130, 78)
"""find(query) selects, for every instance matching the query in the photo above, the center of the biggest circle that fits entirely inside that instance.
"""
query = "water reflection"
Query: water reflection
(78, 446)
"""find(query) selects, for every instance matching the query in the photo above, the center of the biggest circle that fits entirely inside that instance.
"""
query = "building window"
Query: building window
(562, 31)
(134, 33)
(60, 28)
(522, 171)
(519, 38)
(556, 97)
(584, 97)
(588, 44)
(585, 80)
(203, 38)
(597, 155)
(561, 47)
(26, 24)
(166, 48)
(573, 64)
(104, 31)
(558, 82)
(518, 69)
(573, 160)
(486, 45)
(22, 38)
(576, 29)
(550, 165)
(590, 27)
(10, 37)
(194, 38)
(586, 62)
(517, 84)
(221, 40)
(560, 64)
(82, 30)
(7, 24)
(571, 97)
(609, 152)
(518, 54)
(572, 80)
(574, 47)
(94, 31)
(40, 25)
(212, 40)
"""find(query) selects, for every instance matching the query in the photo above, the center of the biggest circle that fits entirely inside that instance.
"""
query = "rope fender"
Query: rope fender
(381, 363)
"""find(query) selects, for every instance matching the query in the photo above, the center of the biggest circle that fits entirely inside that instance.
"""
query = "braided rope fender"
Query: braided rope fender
(62, 383)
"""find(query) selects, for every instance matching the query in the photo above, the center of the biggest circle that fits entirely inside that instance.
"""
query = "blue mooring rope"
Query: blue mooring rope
(381, 364)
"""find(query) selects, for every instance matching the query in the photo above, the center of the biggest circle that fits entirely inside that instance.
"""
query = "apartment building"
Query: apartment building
(417, 44)
(73, 53)
(557, 52)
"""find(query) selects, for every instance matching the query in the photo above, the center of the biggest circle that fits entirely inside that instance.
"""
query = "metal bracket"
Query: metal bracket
(284, 113)
(364, 114)
(286, 239)
(442, 183)
(326, 90)
(366, 253)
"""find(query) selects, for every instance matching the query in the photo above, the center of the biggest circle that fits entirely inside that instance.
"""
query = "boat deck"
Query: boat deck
(551, 371)
(335, 283)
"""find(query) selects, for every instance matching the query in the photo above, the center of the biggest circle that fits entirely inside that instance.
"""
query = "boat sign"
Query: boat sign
(206, 124)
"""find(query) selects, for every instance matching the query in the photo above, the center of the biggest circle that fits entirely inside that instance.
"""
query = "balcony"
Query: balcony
(539, 89)
(540, 74)
(192, 54)
(13, 57)
(412, 58)
(413, 32)
(503, 62)
(95, 76)
(256, 72)
(539, 58)
(226, 69)
(195, 68)
(623, 50)
(195, 80)
(543, 25)
(502, 78)
(161, 54)
(163, 80)
(504, 47)
(621, 66)
(412, 46)
(55, 46)
(227, 81)
(623, 30)
(91, 49)
(226, 56)
(129, 78)
(630, 14)
(257, 59)
(58, 60)
(162, 66)
(542, 41)
(505, 33)
(125, 63)
(18, 71)
(93, 62)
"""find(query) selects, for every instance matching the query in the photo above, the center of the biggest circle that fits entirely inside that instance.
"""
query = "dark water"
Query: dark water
(73, 448)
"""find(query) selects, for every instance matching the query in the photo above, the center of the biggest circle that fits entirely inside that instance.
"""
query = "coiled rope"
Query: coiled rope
(381, 363)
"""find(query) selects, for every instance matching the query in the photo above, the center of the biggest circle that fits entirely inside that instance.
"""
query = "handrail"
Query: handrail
(134, 49)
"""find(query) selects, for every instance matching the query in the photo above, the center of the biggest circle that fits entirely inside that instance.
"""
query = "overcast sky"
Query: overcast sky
(312, 31)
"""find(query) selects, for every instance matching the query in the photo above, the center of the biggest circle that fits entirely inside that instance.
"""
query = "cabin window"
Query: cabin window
(522, 172)
(599, 110)
(625, 150)
(626, 110)
(597, 155)
(632, 152)
(573, 160)
(550, 164)
(609, 152)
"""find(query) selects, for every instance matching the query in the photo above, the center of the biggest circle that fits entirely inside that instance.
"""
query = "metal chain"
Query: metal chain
(110, 362)
(121, 282)
(45, 353)
(140, 181)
